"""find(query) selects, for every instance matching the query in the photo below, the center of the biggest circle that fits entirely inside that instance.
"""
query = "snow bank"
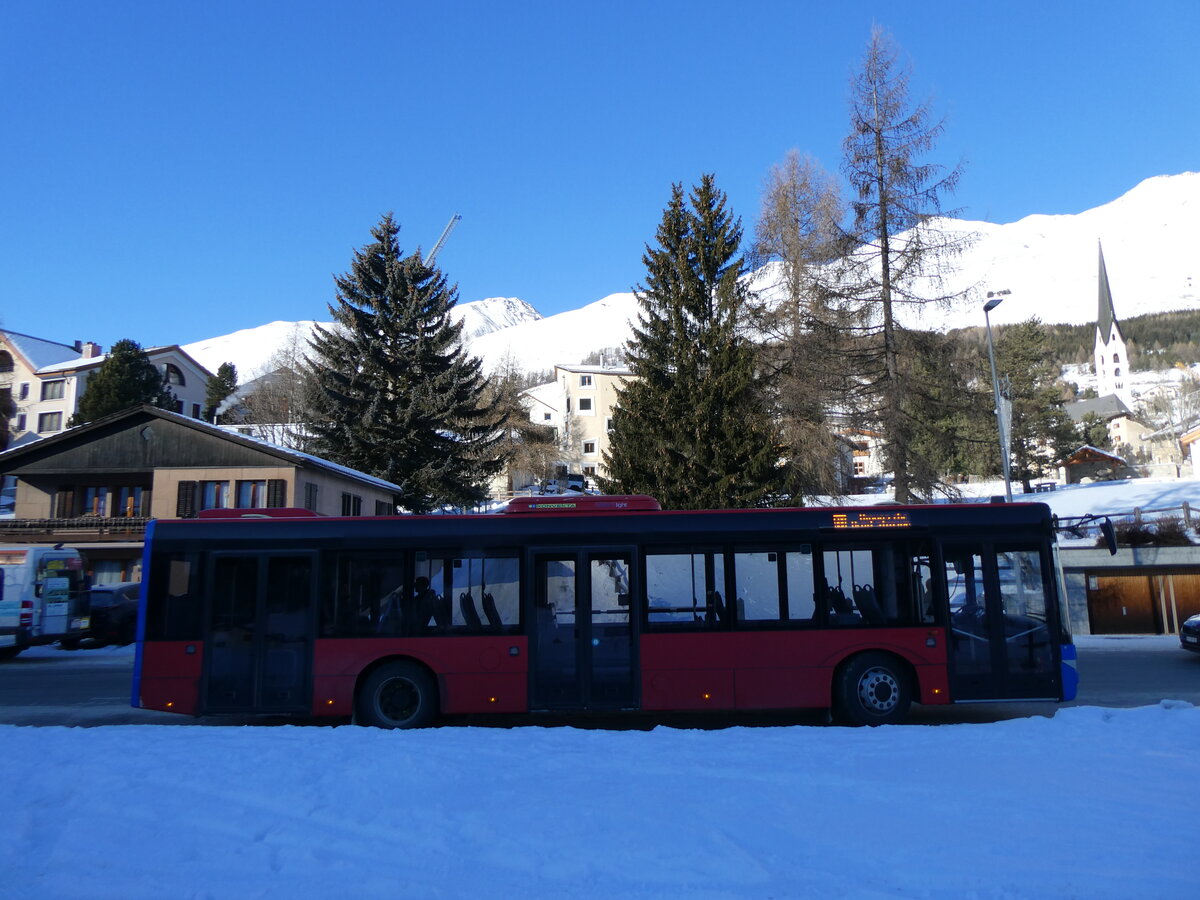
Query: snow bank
(1088, 803)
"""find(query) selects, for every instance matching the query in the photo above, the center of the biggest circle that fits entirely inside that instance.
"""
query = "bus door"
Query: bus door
(581, 640)
(258, 644)
(1001, 622)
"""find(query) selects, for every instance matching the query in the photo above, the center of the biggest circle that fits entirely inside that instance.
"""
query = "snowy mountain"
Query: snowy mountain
(252, 350)
(1049, 263)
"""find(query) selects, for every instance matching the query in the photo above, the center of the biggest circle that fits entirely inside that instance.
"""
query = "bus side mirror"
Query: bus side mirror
(1110, 536)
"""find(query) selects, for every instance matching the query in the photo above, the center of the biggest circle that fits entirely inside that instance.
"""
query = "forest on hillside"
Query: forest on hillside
(1155, 341)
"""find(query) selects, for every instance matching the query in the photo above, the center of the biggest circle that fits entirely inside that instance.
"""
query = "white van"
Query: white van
(43, 597)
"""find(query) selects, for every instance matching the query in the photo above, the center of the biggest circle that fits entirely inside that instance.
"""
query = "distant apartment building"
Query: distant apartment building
(579, 405)
(45, 379)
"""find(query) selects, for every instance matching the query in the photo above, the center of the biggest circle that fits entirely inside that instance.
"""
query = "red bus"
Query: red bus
(603, 604)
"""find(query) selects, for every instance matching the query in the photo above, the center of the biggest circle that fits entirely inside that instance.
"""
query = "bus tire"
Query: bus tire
(872, 689)
(7, 653)
(399, 694)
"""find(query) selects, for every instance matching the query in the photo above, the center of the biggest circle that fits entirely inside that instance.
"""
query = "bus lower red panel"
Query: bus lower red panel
(170, 676)
(776, 669)
(476, 674)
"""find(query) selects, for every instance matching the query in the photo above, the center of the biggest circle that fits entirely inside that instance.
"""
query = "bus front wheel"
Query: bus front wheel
(399, 694)
(872, 689)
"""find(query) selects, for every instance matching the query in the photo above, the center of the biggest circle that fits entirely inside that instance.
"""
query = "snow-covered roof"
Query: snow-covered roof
(91, 362)
(318, 461)
(595, 370)
(37, 352)
(548, 394)
(276, 450)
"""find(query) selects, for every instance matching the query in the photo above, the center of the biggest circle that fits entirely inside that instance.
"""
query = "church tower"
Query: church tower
(1111, 360)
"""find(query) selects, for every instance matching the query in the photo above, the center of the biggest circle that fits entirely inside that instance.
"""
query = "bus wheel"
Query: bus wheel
(872, 689)
(397, 695)
(7, 653)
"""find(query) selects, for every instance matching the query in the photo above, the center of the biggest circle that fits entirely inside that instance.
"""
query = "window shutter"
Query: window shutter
(185, 505)
(65, 506)
(276, 492)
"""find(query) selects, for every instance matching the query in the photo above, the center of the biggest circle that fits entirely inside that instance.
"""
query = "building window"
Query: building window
(23, 393)
(1117, 372)
(589, 471)
(383, 508)
(214, 494)
(179, 407)
(310, 496)
(6, 361)
(585, 404)
(195, 410)
(546, 417)
(48, 422)
(608, 424)
(589, 447)
(130, 502)
(53, 390)
(585, 380)
(172, 374)
(20, 422)
(351, 505)
(251, 494)
(1116, 357)
(95, 501)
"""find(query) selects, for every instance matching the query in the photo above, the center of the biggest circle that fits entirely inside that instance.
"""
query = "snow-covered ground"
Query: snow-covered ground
(1089, 803)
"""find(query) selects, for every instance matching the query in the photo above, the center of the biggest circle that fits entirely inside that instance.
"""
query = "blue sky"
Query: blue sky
(175, 171)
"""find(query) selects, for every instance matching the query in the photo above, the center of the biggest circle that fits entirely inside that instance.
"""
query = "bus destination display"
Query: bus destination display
(871, 519)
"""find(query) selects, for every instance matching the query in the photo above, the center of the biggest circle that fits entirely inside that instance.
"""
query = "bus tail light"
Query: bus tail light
(26, 614)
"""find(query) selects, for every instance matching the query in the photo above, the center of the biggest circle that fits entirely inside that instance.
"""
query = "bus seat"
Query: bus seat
(838, 602)
(868, 604)
(493, 615)
(466, 605)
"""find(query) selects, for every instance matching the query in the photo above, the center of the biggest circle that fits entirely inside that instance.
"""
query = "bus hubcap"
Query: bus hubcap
(878, 690)
(398, 699)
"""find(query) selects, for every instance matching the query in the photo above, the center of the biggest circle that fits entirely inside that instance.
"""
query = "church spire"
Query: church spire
(1111, 356)
(1105, 317)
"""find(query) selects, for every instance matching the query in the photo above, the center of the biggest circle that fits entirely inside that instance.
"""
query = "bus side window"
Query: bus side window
(757, 578)
(684, 590)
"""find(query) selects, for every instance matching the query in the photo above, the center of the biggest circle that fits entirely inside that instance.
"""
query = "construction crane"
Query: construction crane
(445, 234)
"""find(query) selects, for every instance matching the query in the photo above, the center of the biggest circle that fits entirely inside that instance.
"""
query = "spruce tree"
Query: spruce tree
(691, 426)
(1042, 433)
(218, 388)
(393, 393)
(125, 378)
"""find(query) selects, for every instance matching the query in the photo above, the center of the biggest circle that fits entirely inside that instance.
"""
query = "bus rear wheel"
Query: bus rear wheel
(399, 694)
(872, 689)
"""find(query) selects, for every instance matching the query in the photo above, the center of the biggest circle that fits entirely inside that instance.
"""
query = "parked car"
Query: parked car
(1189, 634)
(114, 612)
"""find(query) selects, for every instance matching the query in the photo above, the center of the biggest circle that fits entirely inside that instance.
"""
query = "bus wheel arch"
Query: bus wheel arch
(397, 692)
(873, 688)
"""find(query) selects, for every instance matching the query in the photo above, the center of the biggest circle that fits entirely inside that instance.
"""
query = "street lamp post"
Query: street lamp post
(995, 298)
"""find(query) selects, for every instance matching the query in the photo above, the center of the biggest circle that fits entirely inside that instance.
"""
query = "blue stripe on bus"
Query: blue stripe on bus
(1070, 674)
(135, 696)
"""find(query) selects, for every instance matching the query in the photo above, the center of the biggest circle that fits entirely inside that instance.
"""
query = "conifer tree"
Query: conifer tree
(691, 427)
(393, 392)
(218, 388)
(898, 253)
(1042, 433)
(125, 378)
